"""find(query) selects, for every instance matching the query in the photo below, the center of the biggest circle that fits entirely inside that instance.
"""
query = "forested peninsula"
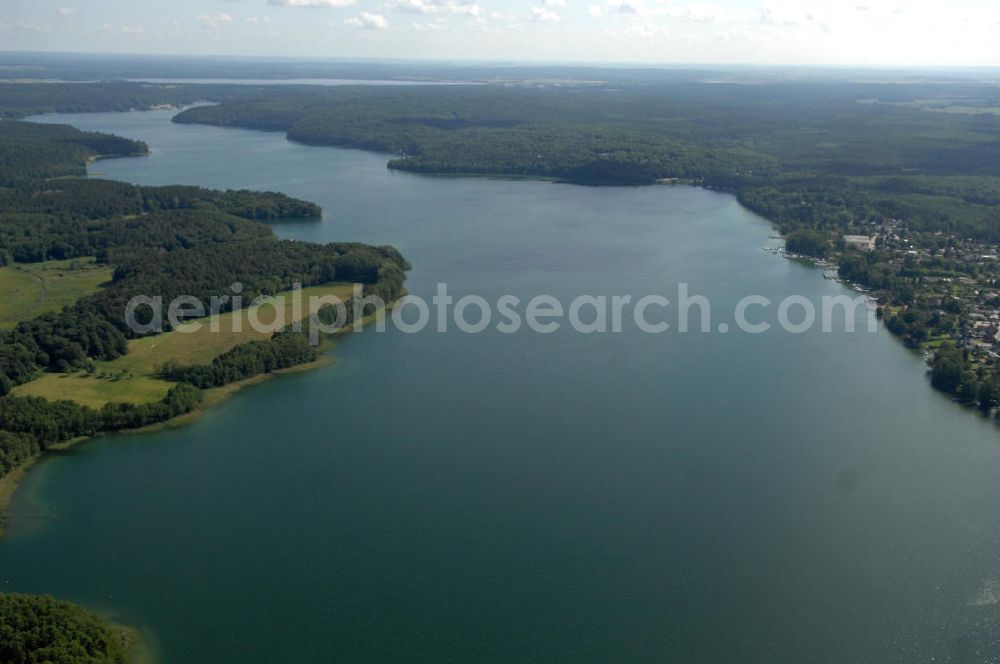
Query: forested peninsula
(151, 241)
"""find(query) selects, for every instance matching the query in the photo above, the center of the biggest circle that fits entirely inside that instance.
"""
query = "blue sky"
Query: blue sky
(865, 32)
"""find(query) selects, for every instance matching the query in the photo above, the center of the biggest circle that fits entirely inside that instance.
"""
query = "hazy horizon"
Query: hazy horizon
(501, 62)
(868, 33)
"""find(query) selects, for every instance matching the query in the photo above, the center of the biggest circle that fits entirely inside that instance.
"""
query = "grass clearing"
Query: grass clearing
(28, 290)
(95, 390)
(132, 377)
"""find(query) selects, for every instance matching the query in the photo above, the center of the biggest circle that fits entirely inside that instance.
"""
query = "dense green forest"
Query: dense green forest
(41, 629)
(494, 130)
(18, 100)
(35, 424)
(724, 134)
(70, 218)
(29, 150)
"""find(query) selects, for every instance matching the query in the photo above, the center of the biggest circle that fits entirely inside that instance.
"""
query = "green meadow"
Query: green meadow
(134, 376)
(31, 289)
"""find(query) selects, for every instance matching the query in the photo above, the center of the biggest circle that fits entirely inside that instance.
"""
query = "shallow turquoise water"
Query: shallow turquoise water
(533, 498)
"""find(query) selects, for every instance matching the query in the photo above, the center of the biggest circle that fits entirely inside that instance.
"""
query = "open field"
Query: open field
(31, 289)
(961, 106)
(132, 377)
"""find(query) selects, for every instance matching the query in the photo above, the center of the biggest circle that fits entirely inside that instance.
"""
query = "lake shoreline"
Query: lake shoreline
(10, 482)
(212, 397)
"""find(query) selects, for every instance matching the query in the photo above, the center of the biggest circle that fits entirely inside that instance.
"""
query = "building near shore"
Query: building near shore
(860, 242)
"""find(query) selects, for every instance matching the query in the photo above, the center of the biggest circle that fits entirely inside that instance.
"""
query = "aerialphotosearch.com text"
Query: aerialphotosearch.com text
(656, 313)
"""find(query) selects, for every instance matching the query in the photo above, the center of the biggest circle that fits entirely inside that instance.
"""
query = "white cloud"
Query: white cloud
(415, 6)
(694, 13)
(544, 14)
(312, 4)
(108, 30)
(784, 14)
(672, 11)
(855, 32)
(215, 21)
(456, 7)
(627, 7)
(463, 8)
(637, 31)
(30, 26)
(367, 20)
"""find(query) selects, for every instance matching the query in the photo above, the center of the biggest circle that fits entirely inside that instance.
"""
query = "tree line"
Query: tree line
(69, 218)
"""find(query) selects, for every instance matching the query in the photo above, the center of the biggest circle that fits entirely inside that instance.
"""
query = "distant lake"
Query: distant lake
(562, 498)
(294, 81)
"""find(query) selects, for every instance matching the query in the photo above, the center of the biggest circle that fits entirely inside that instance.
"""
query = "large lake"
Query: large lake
(560, 498)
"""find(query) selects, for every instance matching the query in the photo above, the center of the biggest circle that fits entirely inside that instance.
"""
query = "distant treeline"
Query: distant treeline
(822, 155)
(489, 130)
(18, 100)
(806, 153)
(966, 206)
